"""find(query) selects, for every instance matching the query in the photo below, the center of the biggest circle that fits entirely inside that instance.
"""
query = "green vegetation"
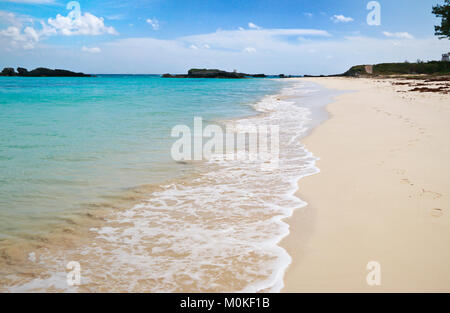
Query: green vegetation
(356, 70)
(443, 11)
(433, 67)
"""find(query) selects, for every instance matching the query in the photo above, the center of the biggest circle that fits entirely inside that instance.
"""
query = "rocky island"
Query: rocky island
(212, 73)
(40, 72)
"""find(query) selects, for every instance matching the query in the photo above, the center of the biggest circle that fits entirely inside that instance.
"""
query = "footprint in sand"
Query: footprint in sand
(431, 194)
(406, 181)
(436, 212)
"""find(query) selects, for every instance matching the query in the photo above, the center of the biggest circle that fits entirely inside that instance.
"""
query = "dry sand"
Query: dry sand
(383, 193)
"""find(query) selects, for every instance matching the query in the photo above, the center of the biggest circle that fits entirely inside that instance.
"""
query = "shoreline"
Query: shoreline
(20, 258)
(380, 194)
(253, 226)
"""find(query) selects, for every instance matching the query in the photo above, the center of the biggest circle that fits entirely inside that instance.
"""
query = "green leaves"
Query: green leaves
(443, 11)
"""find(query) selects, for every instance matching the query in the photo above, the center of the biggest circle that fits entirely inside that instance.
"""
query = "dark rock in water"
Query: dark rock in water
(8, 71)
(41, 72)
(45, 72)
(288, 76)
(206, 73)
(174, 76)
(259, 75)
(22, 71)
(212, 73)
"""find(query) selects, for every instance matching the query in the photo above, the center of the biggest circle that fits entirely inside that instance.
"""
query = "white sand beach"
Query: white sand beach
(382, 194)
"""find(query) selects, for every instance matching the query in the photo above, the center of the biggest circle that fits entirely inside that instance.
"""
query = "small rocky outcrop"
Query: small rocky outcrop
(259, 75)
(40, 72)
(22, 71)
(45, 72)
(206, 73)
(212, 73)
(8, 71)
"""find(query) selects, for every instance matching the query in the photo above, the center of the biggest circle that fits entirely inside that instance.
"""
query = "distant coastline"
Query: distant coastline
(432, 68)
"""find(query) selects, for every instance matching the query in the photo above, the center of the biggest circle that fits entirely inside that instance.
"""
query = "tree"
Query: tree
(443, 11)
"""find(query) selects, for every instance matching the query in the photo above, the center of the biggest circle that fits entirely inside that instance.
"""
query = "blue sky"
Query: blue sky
(157, 36)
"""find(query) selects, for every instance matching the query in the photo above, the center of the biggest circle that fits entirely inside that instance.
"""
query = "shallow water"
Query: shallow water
(69, 142)
(216, 228)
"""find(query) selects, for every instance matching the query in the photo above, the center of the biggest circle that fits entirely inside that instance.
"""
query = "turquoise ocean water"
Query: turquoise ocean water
(68, 142)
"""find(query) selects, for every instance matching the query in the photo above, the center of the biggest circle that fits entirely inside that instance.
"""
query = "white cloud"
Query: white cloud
(31, 33)
(250, 50)
(308, 14)
(17, 20)
(400, 35)
(18, 38)
(154, 23)
(195, 47)
(14, 33)
(86, 24)
(22, 31)
(253, 26)
(238, 40)
(25, 32)
(91, 50)
(341, 19)
(11, 19)
(11, 31)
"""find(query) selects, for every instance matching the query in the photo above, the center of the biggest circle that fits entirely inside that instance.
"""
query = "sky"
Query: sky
(252, 36)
